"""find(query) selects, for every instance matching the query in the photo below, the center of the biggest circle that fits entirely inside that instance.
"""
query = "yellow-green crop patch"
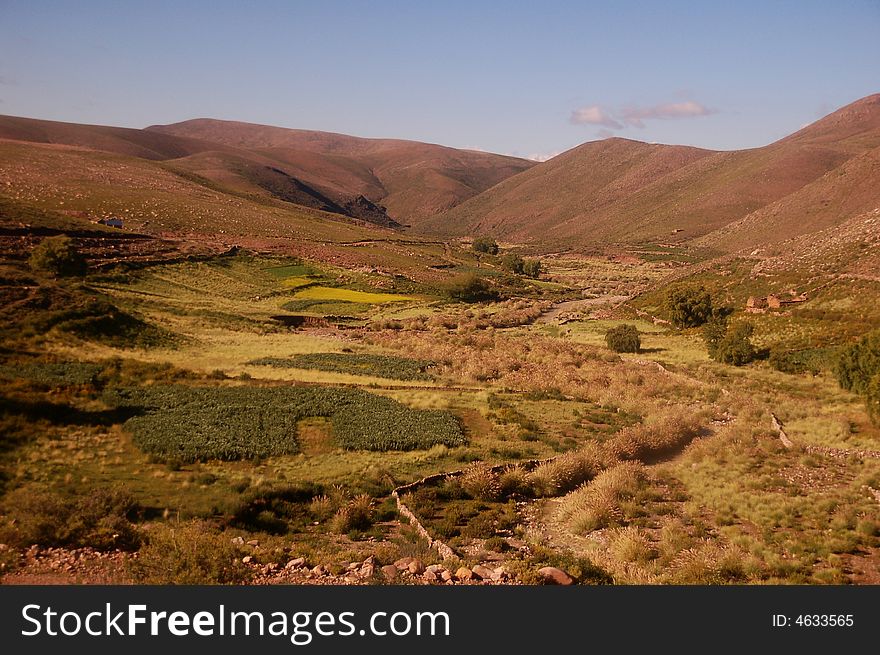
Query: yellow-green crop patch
(349, 295)
(297, 282)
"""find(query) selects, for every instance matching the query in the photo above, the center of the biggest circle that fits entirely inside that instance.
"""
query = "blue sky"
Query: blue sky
(525, 78)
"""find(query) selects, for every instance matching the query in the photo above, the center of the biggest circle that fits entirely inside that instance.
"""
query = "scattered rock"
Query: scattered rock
(367, 571)
(464, 574)
(552, 575)
(446, 576)
(238, 541)
(318, 571)
(390, 572)
(295, 563)
(416, 567)
(484, 572)
(253, 542)
(403, 563)
(247, 559)
(435, 568)
(429, 576)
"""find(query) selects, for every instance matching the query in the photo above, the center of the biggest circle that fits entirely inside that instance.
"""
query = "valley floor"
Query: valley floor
(657, 467)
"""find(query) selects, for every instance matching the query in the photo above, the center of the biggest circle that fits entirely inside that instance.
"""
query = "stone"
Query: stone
(403, 563)
(238, 541)
(247, 559)
(552, 575)
(318, 571)
(483, 572)
(429, 576)
(253, 542)
(416, 567)
(390, 572)
(367, 571)
(464, 574)
(295, 563)
(446, 576)
(435, 568)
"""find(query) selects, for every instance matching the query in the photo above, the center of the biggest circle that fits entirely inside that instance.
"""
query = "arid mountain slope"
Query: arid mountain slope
(332, 172)
(412, 180)
(625, 191)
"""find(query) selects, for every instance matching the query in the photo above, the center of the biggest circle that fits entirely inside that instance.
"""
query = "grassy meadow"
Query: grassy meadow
(660, 466)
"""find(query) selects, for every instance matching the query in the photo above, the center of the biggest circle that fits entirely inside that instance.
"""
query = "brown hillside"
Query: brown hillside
(412, 180)
(848, 190)
(332, 172)
(618, 190)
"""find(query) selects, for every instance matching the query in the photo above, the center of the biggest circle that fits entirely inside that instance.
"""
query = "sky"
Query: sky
(525, 78)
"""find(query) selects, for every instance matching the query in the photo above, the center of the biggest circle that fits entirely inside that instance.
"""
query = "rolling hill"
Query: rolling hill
(411, 180)
(626, 191)
(382, 181)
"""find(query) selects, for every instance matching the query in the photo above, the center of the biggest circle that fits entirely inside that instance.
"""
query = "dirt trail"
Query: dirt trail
(566, 306)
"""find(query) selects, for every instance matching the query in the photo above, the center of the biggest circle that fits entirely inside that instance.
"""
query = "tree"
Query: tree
(471, 288)
(58, 256)
(715, 329)
(532, 268)
(688, 306)
(513, 263)
(736, 347)
(624, 339)
(485, 245)
(859, 363)
(858, 370)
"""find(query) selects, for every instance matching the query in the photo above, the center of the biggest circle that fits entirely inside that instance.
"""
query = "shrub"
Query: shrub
(872, 399)
(513, 263)
(485, 245)
(624, 339)
(736, 347)
(859, 363)
(100, 518)
(356, 515)
(188, 554)
(481, 483)
(471, 288)
(715, 329)
(615, 496)
(688, 306)
(532, 268)
(57, 255)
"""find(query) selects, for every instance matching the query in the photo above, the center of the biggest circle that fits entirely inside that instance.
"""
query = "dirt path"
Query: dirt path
(567, 306)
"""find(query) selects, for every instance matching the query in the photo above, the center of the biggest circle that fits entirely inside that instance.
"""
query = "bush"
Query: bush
(513, 263)
(858, 370)
(472, 288)
(624, 339)
(859, 363)
(188, 554)
(532, 268)
(872, 399)
(100, 518)
(715, 329)
(356, 515)
(58, 256)
(688, 306)
(485, 245)
(736, 347)
(479, 482)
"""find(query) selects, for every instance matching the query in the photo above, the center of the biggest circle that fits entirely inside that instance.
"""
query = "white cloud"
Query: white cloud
(594, 115)
(634, 116)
